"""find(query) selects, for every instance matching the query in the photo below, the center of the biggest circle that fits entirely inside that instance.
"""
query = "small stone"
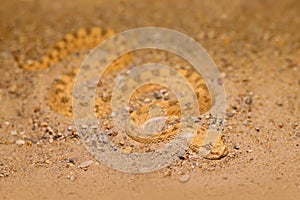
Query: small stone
(248, 100)
(13, 132)
(230, 114)
(72, 160)
(111, 132)
(249, 151)
(50, 130)
(180, 173)
(245, 122)
(6, 123)
(131, 109)
(70, 128)
(35, 126)
(86, 164)
(163, 91)
(249, 115)
(184, 178)
(122, 142)
(236, 147)
(294, 126)
(44, 124)
(147, 100)
(59, 134)
(166, 96)
(157, 95)
(127, 150)
(20, 142)
(51, 140)
(71, 177)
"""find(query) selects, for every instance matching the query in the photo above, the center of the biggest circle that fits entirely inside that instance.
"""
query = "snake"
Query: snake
(60, 94)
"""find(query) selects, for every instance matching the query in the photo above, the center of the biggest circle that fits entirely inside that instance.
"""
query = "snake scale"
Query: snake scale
(60, 96)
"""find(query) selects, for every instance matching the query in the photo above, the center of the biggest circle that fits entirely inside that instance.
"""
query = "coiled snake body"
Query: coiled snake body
(61, 93)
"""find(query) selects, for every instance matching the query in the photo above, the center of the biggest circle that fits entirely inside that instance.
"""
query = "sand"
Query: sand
(256, 46)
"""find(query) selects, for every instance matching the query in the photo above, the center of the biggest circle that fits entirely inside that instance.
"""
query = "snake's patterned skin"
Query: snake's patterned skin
(60, 98)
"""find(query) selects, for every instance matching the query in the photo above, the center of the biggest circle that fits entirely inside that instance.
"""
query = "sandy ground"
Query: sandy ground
(256, 46)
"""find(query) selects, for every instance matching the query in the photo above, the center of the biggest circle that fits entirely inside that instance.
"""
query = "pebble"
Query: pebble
(20, 142)
(13, 132)
(295, 125)
(249, 151)
(70, 128)
(184, 178)
(207, 116)
(44, 124)
(50, 130)
(86, 164)
(122, 142)
(245, 122)
(163, 91)
(157, 95)
(230, 114)
(72, 160)
(147, 100)
(248, 100)
(236, 147)
(166, 96)
(127, 150)
(71, 177)
(111, 132)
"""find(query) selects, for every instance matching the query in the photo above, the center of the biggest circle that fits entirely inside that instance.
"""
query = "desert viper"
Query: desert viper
(60, 97)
